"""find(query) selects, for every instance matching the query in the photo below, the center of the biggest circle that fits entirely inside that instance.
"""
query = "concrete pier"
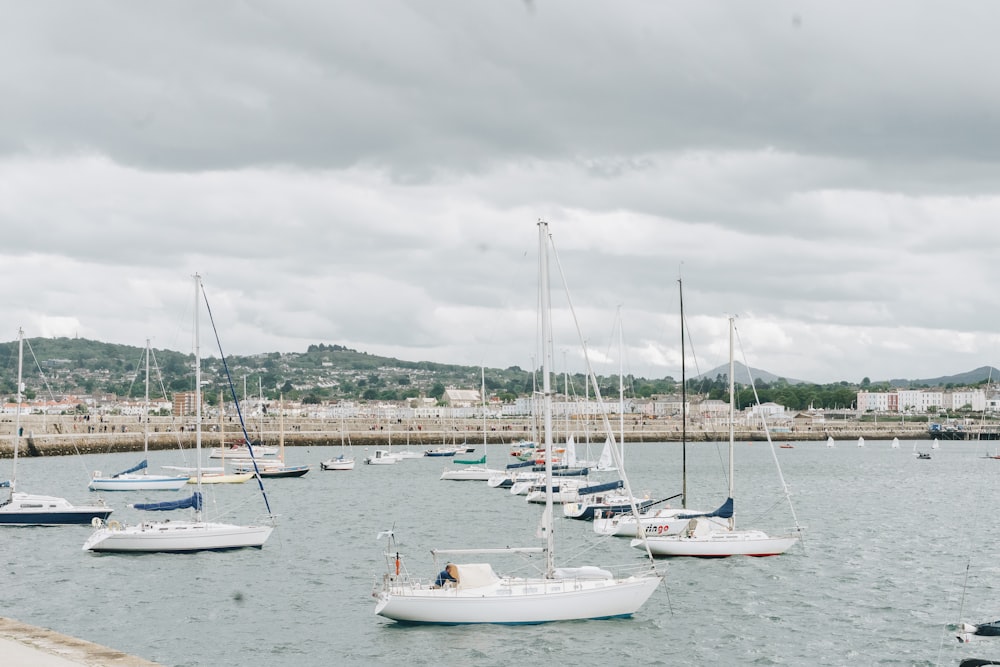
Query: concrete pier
(23, 645)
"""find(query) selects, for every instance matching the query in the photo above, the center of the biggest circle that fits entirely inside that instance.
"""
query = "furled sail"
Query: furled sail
(194, 502)
(598, 488)
(725, 511)
(141, 465)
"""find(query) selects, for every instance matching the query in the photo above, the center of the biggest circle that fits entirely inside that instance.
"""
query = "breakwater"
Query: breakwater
(48, 436)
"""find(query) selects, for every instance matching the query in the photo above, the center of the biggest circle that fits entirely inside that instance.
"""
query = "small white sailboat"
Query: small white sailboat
(344, 460)
(703, 538)
(129, 480)
(829, 441)
(180, 536)
(861, 441)
(895, 443)
(31, 509)
(480, 595)
(475, 470)
(935, 444)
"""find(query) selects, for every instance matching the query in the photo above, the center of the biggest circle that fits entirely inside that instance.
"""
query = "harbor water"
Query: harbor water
(895, 549)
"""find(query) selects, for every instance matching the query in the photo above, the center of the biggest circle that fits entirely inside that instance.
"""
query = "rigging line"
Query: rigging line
(163, 393)
(767, 432)
(52, 397)
(232, 390)
(615, 452)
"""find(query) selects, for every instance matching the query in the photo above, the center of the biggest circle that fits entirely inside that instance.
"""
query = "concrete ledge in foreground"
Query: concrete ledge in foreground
(30, 646)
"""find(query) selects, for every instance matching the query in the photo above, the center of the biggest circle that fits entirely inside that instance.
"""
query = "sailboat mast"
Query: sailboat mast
(482, 385)
(684, 416)
(732, 414)
(197, 388)
(546, 322)
(17, 417)
(145, 430)
(621, 389)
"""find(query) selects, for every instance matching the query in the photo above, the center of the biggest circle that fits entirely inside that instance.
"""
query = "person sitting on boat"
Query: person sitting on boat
(448, 575)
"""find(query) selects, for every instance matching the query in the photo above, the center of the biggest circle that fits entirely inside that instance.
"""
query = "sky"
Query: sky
(372, 175)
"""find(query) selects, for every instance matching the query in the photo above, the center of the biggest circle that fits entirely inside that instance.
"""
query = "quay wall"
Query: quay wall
(48, 436)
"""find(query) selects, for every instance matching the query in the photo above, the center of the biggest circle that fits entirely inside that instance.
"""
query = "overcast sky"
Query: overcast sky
(370, 174)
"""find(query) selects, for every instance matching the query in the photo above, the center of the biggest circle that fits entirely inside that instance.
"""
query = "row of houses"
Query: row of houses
(922, 401)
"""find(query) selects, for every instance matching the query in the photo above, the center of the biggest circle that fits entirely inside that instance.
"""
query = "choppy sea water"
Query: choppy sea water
(882, 570)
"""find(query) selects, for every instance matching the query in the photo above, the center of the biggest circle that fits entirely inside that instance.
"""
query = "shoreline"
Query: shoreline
(44, 437)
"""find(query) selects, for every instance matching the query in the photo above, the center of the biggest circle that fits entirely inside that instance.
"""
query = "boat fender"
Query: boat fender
(397, 565)
(97, 522)
(114, 525)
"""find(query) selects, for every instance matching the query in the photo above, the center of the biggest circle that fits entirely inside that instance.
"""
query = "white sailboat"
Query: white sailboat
(895, 444)
(861, 441)
(173, 535)
(656, 520)
(344, 460)
(829, 441)
(480, 595)
(704, 538)
(31, 509)
(474, 470)
(129, 480)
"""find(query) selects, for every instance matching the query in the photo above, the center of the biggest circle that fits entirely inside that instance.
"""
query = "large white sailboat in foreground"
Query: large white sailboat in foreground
(480, 595)
(180, 536)
(702, 537)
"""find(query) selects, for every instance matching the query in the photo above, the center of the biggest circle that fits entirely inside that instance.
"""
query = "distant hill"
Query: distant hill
(981, 374)
(743, 376)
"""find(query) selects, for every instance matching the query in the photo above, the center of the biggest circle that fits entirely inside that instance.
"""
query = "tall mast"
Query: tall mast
(684, 416)
(17, 417)
(546, 305)
(732, 414)
(197, 388)
(621, 389)
(145, 430)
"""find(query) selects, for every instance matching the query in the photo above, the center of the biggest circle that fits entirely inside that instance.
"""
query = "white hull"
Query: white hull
(176, 536)
(517, 601)
(337, 464)
(405, 454)
(242, 452)
(223, 478)
(658, 522)
(139, 483)
(471, 474)
(382, 457)
(719, 544)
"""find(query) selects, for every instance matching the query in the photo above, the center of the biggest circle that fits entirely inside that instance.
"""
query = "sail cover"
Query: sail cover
(597, 488)
(194, 501)
(724, 512)
(136, 468)
(522, 464)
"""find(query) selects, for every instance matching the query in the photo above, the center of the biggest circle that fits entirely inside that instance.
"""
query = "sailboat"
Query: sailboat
(895, 444)
(829, 441)
(660, 520)
(861, 441)
(480, 595)
(128, 480)
(29, 509)
(702, 538)
(269, 467)
(476, 470)
(342, 461)
(180, 535)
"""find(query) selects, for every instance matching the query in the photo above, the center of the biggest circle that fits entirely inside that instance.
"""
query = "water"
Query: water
(878, 578)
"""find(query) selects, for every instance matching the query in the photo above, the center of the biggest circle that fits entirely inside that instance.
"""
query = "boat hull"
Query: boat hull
(139, 483)
(660, 522)
(517, 601)
(472, 474)
(176, 537)
(718, 544)
(25, 509)
(337, 464)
